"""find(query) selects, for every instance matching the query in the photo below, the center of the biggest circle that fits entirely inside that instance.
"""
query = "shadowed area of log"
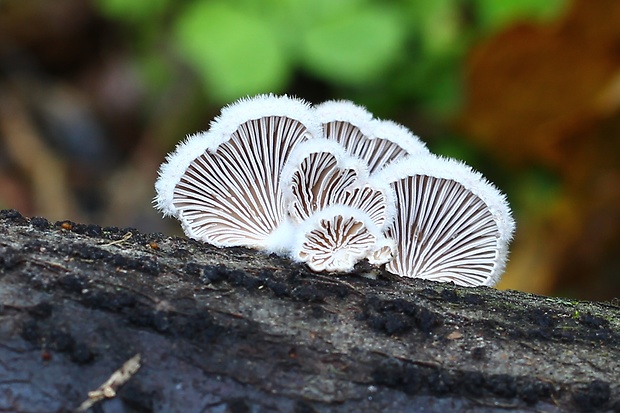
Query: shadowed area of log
(235, 330)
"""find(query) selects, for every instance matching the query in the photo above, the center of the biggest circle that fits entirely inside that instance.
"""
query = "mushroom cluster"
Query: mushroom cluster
(331, 185)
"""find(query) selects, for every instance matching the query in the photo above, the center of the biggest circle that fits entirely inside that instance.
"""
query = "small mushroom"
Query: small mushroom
(224, 184)
(376, 142)
(320, 173)
(316, 175)
(450, 224)
(383, 251)
(335, 239)
(341, 212)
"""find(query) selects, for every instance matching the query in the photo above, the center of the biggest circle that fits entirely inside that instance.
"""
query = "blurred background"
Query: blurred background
(93, 94)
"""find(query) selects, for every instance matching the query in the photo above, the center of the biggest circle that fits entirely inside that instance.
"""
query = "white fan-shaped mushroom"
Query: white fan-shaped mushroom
(321, 173)
(316, 175)
(450, 225)
(383, 251)
(335, 239)
(377, 142)
(331, 186)
(224, 185)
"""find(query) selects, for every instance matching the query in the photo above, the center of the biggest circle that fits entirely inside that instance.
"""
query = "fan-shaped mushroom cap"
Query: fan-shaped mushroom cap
(377, 142)
(336, 238)
(316, 174)
(224, 185)
(383, 251)
(450, 225)
(320, 173)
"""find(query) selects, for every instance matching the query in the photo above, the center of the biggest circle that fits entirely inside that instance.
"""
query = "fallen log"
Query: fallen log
(234, 330)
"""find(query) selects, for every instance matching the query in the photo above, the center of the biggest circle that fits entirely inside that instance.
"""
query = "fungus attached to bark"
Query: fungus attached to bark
(224, 184)
(331, 186)
(450, 224)
(336, 238)
(340, 214)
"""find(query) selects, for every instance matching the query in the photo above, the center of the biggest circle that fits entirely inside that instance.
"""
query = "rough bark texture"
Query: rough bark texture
(232, 330)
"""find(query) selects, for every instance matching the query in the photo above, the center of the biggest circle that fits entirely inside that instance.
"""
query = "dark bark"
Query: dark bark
(233, 330)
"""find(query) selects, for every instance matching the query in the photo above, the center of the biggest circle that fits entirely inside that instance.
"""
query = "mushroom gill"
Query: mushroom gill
(377, 142)
(450, 223)
(224, 185)
(320, 173)
(335, 239)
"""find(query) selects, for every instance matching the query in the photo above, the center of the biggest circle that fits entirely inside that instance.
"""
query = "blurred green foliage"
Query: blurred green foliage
(494, 14)
(407, 49)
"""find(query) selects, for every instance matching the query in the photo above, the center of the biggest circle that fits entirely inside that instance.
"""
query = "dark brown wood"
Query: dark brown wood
(233, 330)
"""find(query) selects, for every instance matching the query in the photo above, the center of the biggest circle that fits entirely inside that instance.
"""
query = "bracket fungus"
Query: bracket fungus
(321, 173)
(331, 185)
(376, 142)
(341, 214)
(224, 184)
(450, 224)
(336, 238)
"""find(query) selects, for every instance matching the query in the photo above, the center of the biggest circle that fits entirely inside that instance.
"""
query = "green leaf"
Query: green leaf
(354, 47)
(235, 52)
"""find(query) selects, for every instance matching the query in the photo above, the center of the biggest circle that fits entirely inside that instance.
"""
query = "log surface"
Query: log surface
(234, 330)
